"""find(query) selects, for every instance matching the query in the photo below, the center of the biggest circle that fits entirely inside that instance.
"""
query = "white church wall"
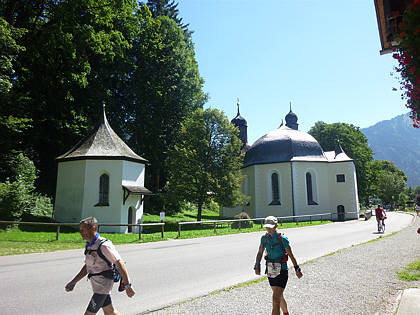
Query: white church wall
(112, 212)
(132, 174)
(344, 193)
(320, 184)
(69, 191)
(263, 190)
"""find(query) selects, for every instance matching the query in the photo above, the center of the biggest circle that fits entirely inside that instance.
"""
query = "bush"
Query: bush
(243, 224)
(17, 194)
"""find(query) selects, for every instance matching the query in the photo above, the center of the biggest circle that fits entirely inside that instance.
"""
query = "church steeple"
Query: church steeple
(291, 119)
(242, 125)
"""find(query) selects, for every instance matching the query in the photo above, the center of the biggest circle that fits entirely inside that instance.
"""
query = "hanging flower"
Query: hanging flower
(408, 56)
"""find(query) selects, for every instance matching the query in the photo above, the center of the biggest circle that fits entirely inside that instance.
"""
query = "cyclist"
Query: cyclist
(380, 215)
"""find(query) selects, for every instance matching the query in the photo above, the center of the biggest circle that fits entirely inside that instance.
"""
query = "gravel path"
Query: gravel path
(358, 280)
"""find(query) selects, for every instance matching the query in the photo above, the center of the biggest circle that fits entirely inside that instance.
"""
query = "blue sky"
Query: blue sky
(320, 55)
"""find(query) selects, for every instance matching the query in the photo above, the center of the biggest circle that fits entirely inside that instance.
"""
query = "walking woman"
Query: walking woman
(278, 251)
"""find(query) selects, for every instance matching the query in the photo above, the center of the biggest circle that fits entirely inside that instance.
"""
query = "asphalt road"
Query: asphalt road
(164, 273)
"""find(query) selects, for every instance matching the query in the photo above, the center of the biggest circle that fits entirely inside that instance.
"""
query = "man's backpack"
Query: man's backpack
(110, 274)
(285, 258)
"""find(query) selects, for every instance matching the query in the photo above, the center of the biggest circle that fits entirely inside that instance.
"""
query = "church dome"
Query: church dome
(284, 145)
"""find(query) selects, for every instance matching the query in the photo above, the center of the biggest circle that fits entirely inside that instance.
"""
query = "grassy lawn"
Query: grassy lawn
(412, 272)
(35, 239)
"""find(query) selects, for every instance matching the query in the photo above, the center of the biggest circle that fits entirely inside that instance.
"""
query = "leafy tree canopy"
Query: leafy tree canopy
(353, 142)
(205, 163)
(388, 182)
(69, 57)
(168, 8)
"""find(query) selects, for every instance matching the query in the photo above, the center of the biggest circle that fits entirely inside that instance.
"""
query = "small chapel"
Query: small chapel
(101, 177)
(287, 173)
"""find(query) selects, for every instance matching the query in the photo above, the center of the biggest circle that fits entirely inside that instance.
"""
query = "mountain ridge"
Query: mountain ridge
(398, 141)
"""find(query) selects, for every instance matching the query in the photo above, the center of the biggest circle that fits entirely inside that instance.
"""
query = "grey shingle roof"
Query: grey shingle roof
(284, 145)
(102, 143)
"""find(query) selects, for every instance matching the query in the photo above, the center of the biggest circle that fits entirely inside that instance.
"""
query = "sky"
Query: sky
(322, 56)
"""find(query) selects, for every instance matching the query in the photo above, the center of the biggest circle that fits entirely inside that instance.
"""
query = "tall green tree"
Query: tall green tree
(77, 54)
(165, 87)
(168, 8)
(353, 142)
(205, 163)
(67, 44)
(388, 182)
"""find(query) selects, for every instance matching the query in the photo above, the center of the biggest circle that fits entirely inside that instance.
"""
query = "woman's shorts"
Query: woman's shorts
(280, 280)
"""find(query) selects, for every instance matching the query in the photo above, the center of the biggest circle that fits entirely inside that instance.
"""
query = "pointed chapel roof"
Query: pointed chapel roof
(102, 144)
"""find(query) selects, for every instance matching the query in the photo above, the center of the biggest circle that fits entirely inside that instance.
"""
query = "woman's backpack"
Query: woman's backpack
(285, 257)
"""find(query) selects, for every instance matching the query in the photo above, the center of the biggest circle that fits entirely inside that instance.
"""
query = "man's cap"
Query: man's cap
(270, 222)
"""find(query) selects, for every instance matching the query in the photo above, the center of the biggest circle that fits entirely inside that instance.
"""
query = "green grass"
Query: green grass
(412, 272)
(35, 239)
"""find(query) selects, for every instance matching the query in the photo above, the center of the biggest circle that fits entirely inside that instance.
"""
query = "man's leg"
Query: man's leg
(109, 310)
(278, 301)
(97, 302)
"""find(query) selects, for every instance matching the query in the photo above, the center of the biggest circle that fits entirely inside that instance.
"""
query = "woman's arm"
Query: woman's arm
(257, 266)
(295, 264)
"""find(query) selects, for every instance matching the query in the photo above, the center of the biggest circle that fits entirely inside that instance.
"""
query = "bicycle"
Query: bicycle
(381, 226)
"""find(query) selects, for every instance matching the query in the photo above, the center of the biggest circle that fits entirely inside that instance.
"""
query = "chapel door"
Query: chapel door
(340, 213)
(130, 219)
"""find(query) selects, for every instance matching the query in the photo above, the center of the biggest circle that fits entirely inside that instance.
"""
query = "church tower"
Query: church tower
(242, 125)
(291, 119)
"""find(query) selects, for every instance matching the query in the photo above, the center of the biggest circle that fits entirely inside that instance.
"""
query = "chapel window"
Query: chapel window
(310, 189)
(103, 190)
(341, 178)
(275, 192)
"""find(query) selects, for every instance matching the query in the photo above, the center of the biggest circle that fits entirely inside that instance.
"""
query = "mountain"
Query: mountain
(398, 141)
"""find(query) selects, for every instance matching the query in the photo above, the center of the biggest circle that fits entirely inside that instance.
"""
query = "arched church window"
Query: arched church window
(275, 191)
(310, 189)
(103, 190)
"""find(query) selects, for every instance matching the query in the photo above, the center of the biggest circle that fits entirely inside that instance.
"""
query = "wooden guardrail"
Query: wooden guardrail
(77, 224)
(261, 220)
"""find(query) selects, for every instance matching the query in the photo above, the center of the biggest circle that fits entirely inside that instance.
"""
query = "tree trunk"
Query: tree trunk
(200, 207)
(156, 179)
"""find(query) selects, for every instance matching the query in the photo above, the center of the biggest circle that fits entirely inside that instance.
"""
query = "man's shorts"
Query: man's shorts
(98, 301)
(280, 280)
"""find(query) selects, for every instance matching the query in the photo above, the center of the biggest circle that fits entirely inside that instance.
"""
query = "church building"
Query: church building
(101, 177)
(287, 173)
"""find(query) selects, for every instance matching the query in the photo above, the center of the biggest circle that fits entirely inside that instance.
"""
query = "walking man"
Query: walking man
(99, 270)
(278, 250)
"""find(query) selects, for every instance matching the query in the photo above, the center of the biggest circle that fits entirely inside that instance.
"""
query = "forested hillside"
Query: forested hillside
(398, 141)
